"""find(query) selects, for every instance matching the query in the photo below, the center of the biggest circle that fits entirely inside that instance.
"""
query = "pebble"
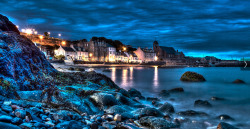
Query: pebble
(118, 117)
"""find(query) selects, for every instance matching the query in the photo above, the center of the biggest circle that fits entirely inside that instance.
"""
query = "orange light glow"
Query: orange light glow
(90, 54)
(124, 48)
(63, 43)
(41, 37)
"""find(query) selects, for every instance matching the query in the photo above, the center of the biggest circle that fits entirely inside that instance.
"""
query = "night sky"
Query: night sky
(196, 27)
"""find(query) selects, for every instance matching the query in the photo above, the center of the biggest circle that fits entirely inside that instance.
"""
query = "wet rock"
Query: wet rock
(50, 123)
(192, 113)
(94, 126)
(5, 118)
(63, 125)
(30, 95)
(148, 112)
(192, 77)
(223, 125)
(7, 103)
(152, 99)
(118, 117)
(167, 108)
(156, 123)
(127, 115)
(117, 109)
(71, 68)
(164, 93)
(4, 125)
(26, 125)
(135, 93)
(41, 125)
(20, 113)
(224, 117)
(103, 99)
(107, 125)
(6, 108)
(124, 92)
(128, 126)
(79, 69)
(16, 121)
(176, 90)
(238, 81)
(156, 104)
(217, 98)
(76, 125)
(202, 103)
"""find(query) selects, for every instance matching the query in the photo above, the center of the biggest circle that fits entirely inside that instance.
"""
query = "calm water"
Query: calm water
(150, 81)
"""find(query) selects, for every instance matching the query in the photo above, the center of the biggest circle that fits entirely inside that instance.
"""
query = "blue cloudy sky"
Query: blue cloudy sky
(196, 27)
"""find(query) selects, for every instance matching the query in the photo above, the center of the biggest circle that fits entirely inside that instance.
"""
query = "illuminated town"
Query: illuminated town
(102, 50)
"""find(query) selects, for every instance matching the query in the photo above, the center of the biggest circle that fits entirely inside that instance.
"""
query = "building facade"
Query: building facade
(146, 55)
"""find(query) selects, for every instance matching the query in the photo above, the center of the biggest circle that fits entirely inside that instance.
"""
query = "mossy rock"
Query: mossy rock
(192, 77)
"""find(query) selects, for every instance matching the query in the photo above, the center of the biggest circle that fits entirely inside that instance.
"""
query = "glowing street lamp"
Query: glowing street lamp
(17, 26)
(41, 37)
(63, 43)
(90, 54)
(59, 35)
(35, 32)
(156, 58)
(124, 48)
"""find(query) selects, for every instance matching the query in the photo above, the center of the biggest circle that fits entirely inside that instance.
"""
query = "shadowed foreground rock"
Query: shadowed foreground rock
(224, 125)
(22, 64)
(192, 77)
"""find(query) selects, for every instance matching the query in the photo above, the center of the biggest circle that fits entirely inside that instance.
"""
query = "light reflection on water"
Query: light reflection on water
(150, 81)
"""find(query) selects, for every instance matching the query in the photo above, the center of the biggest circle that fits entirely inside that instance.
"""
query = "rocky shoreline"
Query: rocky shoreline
(97, 105)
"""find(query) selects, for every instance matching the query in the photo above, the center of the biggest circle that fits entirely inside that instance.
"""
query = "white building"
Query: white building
(111, 53)
(145, 55)
(72, 53)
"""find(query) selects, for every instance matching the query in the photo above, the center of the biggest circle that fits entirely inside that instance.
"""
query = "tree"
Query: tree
(46, 34)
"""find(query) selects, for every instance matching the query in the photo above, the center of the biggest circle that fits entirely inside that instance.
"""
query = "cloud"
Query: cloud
(195, 26)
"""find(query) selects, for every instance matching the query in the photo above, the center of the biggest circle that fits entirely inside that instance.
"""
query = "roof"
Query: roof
(169, 50)
(79, 48)
(68, 49)
(108, 45)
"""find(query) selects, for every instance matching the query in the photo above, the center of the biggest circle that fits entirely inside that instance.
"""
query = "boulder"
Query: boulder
(117, 109)
(164, 93)
(202, 103)
(5, 118)
(167, 108)
(224, 117)
(135, 93)
(176, 90)
(148, 112)
(152, 99)
(16, 121)
(7, 125)
(216, 98)
(6, 108)
(192, 113)
(192, 77)
(103, 100)
(124, 92)
(156, 123)
(224, 125)
(238, 81)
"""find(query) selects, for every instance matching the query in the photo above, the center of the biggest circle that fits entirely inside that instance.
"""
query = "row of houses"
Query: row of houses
(99, 50)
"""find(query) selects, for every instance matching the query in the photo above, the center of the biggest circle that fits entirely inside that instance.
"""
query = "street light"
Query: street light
(63, 43)
(124, 48)
(59, 35)
(156, 58)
